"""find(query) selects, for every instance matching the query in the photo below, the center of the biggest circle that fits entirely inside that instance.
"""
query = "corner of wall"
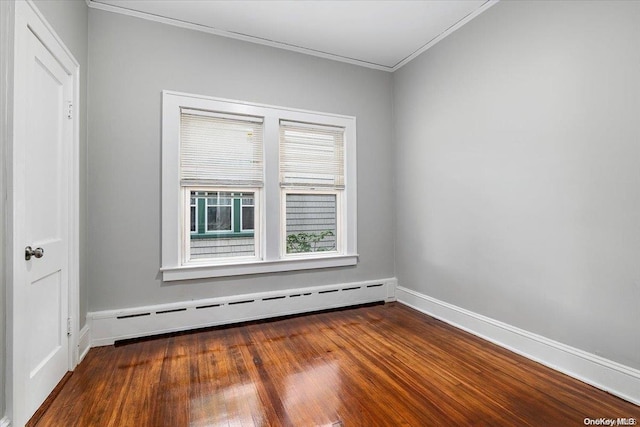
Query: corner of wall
(84, 341)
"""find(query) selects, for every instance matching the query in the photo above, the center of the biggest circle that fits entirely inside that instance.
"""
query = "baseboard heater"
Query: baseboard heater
(113, 325)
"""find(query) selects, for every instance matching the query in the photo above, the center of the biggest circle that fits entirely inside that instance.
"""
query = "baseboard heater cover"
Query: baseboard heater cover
(113, 325)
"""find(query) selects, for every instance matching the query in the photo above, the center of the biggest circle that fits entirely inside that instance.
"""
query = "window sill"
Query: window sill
(232, 235)
(190, 272)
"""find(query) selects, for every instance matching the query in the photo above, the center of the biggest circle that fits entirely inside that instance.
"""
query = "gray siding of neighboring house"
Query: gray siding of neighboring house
(222, 247)
(307, 213)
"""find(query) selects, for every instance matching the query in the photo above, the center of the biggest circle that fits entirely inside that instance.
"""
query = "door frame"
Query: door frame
(28, 18)
(6, 98)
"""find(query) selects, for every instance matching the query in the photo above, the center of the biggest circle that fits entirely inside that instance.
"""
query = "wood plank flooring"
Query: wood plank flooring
(384, 365)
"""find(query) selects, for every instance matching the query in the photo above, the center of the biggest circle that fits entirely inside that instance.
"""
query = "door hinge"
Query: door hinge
(69, 327)
(69, 110)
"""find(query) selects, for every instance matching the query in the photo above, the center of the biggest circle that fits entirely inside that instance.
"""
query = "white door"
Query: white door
(42, 190)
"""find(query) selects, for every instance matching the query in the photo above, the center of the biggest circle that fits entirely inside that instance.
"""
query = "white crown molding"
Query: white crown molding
(486, 5)
(272, 43)
(612, 377)
(229, 34)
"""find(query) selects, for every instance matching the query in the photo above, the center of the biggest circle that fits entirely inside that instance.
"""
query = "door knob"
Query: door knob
(29, 252)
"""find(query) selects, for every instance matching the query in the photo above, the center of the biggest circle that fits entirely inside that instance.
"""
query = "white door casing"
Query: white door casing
(44, 213)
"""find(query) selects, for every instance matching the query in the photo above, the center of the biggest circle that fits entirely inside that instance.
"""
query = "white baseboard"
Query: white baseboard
(5, 422)
(84, 341)
(607, 375)
(106, 327)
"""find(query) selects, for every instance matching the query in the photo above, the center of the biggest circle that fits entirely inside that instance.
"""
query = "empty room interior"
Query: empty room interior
(320, 213)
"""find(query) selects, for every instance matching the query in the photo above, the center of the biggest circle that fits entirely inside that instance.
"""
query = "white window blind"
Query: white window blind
(220, 150)
(311, 155)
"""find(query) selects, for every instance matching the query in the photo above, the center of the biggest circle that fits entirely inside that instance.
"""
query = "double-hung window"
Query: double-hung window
(250, 188)
(221, 164)
(312, 181)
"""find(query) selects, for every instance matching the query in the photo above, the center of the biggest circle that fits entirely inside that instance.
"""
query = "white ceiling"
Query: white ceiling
(377, 34)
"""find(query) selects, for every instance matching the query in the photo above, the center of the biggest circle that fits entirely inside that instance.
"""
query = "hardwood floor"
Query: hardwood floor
(384, 365)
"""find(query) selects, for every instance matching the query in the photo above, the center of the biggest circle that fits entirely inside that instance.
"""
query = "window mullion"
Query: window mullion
(202, 217)
(271, 194)
(236, 215)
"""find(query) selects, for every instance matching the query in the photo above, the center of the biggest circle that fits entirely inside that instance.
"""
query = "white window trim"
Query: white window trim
(268, 216)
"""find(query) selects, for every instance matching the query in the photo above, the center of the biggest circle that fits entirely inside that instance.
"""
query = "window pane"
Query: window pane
(247, 218)
(311, 223)
(221, 199)
(194, 222)
(216, 219)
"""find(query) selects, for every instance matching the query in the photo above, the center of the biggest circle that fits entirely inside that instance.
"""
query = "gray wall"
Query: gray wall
(69, 19)
(131, 62)
(518, 141)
